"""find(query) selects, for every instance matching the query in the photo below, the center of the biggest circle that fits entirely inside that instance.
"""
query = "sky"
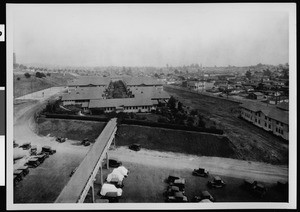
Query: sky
(150, 35)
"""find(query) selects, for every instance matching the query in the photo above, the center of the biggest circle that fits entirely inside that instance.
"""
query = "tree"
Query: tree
(40, 75)
(194, 112)
(248, 74)
(180, 106)
(27, 75)
(172, 103)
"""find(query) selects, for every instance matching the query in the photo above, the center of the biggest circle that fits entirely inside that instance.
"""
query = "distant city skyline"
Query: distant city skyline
(150, 35)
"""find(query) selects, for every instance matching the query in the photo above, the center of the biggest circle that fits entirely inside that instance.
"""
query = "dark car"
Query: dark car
(41, 157)
(171, 190)
(135, 147)
(114, 163)
(33, 162)
(217, 182)
(24, 169)
(48, 149)
(73, 171)
(180, 183)
(85, 142)
(18, 175)
(177, 197)
(26, 146)
(172, 178)
(60, 139)
(255, 188)
(204, 195)
(200, 172)
(111, 196)
(33, 150)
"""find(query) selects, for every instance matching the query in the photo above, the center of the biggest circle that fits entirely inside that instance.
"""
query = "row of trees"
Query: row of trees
(37, 74)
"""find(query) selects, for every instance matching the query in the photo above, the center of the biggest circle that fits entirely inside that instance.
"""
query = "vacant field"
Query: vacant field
(25, 85)
(201, 144)
(251, 142)
(146, 184)
(71, 129)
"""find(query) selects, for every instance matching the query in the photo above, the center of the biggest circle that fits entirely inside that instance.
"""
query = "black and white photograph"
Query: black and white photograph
(151, 106)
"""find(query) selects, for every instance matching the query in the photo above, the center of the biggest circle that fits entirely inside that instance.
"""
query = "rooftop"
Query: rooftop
(98, 103)
(84, 93)
(90, 80)
(269, 111)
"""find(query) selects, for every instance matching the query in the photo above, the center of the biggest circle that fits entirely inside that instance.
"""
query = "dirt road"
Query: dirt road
(218, 166)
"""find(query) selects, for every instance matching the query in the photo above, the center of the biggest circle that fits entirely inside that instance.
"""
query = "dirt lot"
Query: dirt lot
(145, 182)
(251, 142)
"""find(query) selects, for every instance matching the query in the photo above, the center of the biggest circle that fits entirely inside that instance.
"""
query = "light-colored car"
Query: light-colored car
(106, 187)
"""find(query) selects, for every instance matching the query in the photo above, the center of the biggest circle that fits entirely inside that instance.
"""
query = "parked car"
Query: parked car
(41, 157)
(60, 139)
(180, 183)
(26, 146)
(217, 182)
(24, 169)
(114, 163)
(135, 147)
(33, 162)
(111, 197)
(177, 197)
(85, 142)
(73, 171)
(255, 188)
(172, 178)
(19, 175)
(48, 149)
(106, 188)
(200, 172)
(33, 150)
(171, 190)
(204, 195)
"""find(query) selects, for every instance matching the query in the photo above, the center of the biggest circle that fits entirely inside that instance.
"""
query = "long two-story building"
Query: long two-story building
(270, 118)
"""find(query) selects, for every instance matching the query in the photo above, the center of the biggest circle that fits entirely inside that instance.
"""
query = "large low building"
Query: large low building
(90, 93)
(270, 118)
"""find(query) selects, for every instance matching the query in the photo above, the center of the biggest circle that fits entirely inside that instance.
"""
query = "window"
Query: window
(265, 124)
(276, 129)
(266, 117)
(269, 126)
(255, 120)
(259, 121)
(277, 122)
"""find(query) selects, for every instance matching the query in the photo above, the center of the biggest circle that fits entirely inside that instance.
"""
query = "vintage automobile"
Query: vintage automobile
(200, 172)
(217, 182)
(114, 163)
(41, 157)
(106, 188)
(111, 197)
(135, 147)
(171, 190)
(85, 142)
(60, 139)
(48, 149)
(255, 188)
(180, 183)
(25, 146)
(177, 197)
(33, 162)
(172, 178)
(33, 150)
(18, 175)
(204, 195)
(24, 169)
(73, 171)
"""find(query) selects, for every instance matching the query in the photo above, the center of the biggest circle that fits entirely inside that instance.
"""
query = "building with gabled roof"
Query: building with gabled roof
(269, 118)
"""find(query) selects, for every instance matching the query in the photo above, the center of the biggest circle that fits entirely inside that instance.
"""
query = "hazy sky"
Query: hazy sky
(150, 35)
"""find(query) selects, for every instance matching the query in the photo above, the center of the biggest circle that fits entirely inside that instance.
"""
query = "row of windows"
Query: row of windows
(278, 130)
(129, 108)
(258, 114)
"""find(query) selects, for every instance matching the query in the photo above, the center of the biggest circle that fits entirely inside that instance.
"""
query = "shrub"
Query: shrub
(40, 75)
(18, 78)
(27, 75)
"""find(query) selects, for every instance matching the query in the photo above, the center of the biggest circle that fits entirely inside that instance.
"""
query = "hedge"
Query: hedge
(77, 117)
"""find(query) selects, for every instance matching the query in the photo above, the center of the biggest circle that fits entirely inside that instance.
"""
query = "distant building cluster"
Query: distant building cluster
(270, 118)
(97, 94)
